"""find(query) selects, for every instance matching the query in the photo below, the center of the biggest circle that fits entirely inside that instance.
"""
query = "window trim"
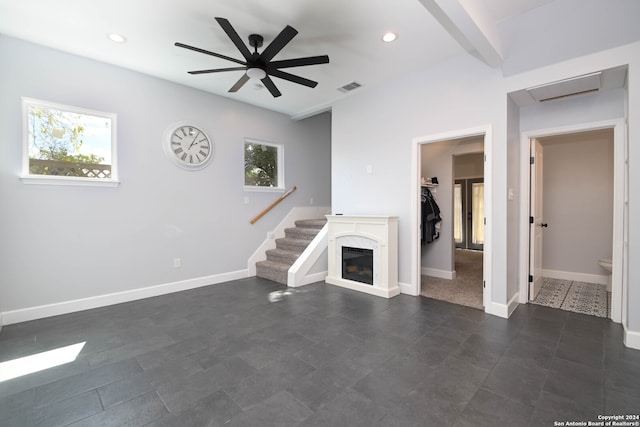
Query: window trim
(280, 159)
(28, 178)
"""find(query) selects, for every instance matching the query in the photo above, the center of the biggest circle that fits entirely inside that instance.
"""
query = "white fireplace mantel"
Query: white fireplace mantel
(378, 233)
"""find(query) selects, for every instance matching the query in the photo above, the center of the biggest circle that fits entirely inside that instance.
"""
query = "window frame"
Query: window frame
(28, 178)
(280, 166)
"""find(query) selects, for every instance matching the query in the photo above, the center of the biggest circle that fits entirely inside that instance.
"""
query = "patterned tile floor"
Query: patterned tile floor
(579, 297)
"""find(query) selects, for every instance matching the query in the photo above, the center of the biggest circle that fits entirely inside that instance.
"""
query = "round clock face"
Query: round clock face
(188, 146)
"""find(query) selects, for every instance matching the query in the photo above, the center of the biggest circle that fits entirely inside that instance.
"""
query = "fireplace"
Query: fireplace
(363, 254)
(357, 264)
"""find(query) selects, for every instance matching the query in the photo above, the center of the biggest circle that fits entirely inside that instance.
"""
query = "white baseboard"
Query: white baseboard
(440, 274)
(408, 289)
(503, 310)
(312, 278)
(632, 339)
(578, 277)
(42, 311)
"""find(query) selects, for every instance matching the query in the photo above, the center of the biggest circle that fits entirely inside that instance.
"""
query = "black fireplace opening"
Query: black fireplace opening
(357, 264)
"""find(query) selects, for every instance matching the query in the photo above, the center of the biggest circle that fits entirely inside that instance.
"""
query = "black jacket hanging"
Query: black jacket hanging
(430, 217)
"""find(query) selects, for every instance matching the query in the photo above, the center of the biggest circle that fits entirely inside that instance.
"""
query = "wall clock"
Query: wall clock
(188, 145)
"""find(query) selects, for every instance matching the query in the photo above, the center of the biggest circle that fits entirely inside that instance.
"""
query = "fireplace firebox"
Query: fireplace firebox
(357, 264)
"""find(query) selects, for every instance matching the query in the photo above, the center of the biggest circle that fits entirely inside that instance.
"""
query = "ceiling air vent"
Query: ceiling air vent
(349, 87)
(569, 87)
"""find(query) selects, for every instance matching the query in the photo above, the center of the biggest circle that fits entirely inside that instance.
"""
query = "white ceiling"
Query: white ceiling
(348, 31)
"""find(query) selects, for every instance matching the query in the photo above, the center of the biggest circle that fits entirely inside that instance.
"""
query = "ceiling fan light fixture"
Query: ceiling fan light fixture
(256, 73)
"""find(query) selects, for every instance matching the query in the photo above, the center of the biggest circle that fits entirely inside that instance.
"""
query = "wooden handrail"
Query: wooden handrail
(273, 205)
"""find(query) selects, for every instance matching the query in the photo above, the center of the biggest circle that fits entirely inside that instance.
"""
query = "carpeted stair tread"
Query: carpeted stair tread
(301, 233)
(283, 256)
(290, 244)
(311, 223)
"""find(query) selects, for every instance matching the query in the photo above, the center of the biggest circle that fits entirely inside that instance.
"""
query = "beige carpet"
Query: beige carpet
(465, 289)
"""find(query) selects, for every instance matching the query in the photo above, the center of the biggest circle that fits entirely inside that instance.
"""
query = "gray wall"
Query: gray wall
(578, 201)
(64, 243)
(468, 166)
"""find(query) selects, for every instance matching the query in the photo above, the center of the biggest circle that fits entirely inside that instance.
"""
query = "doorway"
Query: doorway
(439, 261)
(573, 253)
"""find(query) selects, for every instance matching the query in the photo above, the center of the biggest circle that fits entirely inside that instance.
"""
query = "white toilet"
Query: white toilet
(606, 264)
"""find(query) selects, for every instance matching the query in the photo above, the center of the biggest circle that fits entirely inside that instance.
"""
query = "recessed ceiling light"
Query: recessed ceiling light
(389, 37)
(117, 38)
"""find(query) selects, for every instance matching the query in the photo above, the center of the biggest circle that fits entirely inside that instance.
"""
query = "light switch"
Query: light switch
(369, 169)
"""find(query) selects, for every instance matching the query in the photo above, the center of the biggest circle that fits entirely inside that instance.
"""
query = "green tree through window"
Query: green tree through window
(262, 165)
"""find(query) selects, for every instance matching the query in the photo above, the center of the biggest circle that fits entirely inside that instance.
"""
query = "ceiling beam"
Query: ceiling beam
(467, 30)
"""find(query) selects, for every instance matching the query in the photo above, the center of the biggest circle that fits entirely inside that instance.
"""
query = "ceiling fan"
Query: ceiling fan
(260, 65)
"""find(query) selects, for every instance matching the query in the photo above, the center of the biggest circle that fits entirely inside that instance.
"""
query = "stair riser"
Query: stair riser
(288, 246)
(284, 259)
(271, 274)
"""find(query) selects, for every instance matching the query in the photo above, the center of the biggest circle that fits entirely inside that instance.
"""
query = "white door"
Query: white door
(536, 223)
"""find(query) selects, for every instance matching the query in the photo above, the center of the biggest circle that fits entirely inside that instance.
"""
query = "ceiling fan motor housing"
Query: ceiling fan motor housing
(256, 40)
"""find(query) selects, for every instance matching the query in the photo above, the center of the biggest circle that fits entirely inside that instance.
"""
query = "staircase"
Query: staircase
(288, 249)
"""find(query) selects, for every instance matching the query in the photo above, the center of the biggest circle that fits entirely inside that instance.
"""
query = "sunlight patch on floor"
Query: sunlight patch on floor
(39, 362)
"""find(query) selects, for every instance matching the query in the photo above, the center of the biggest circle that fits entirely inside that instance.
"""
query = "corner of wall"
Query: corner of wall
(408, 289)
(632, 339)
(503, 310)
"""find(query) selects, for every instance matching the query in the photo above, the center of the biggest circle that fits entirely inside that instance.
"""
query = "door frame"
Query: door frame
(619, 285)
(417, 142)
(535, 215)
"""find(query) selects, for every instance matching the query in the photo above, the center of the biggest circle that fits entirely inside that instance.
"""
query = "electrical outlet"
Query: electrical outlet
(246, 200)
(177, 263)
(311, 201)
(271, 235)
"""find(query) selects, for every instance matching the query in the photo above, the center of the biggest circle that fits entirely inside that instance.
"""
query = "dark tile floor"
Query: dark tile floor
(243, 354)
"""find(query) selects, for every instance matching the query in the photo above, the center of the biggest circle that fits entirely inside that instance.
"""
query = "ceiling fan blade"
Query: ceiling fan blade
(299, 62)
(293, 78)
(206, 52)
(268, 83)
(217, 70)
(235, 38)
(278, 43)
(239, 83)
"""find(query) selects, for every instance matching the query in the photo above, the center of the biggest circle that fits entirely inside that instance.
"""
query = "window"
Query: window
(68, 145)
(263, 165)
(477, 207)
(457, 213)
